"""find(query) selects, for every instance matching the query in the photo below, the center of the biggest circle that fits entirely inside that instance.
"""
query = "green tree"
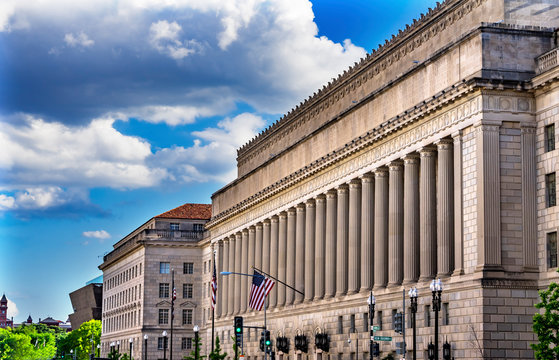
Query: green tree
(114, 354)
(82, 340)
(26, 345)
(197, 346)
(546, 324)
(216, 353)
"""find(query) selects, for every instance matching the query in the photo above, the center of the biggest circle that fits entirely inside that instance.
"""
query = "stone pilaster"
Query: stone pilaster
(342, 240)
(258, 247)
(291, 254)
(320, 247)
(395, 223)
(445, 208)
(299, 282)
(274, 258)
(381, 227)
(219, 258)
(244, 269)
(282, 255)
(529, 225)
(458, 206)
(310, 228)
(427, 214)
(330, 274)
(238, 268)
(411, 218)
(250, 255)
(231, 279)
(266, 251)
(367, 230)
(489, 198)
(354, 237)
(223, 285)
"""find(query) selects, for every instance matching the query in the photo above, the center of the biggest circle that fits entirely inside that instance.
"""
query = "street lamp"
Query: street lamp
(413, 307)
(130, 353)
(112, 346)
(118, 346)
(146, 347)
(371, 301)
(196, 328)
(164, 344)
(436, 288)
(98, 350)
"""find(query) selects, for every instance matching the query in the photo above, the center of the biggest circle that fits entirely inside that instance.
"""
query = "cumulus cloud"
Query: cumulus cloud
(97, 234)
(164, 36)
(12, 309)
(78, 40)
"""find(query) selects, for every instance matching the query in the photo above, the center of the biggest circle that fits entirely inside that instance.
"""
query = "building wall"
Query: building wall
(87, 304)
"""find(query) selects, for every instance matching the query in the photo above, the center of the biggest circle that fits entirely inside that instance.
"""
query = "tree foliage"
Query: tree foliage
(82, 340)
(197, 346)
(26, 345)
(216, 353)
(546, 324)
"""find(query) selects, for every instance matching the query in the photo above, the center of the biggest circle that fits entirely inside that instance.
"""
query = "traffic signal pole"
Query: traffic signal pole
(404, 322)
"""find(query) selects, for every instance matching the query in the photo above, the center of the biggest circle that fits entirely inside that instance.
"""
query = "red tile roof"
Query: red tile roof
(189, 211)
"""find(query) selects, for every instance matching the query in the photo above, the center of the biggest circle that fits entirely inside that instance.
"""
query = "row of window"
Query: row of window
(163, 343)
(122, 321)
(123, 297)
(186, 316)
(123, 277)
(164, 290)
(195, 227)
(165, 268)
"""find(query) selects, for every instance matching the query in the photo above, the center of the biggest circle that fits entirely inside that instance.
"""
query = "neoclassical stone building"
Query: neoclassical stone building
(432, 157)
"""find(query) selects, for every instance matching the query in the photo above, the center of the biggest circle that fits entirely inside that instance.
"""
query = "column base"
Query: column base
(458, 272)
(409, 281)
(352, 292)
(365, 290)
(317, 298)
(339, 294)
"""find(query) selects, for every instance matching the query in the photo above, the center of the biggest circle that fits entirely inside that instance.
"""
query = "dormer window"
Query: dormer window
(198, 227)
(174, 226)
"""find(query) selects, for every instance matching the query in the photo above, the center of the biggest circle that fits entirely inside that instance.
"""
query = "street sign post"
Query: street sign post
(382, 338)
(376, 328)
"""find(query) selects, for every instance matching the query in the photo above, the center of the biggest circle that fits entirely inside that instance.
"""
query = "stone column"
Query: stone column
(299, 282)
(274, 258)
(342, 240)
(265, 251)
(291, 254)
(228, 281)
(258, 248)
(427, 214)
(244, 270)
(354, 237)
(411, 218)
(445, 209)
(320, 247)
(310, 216)
(529, 225)
(250, 256)
(396, 223)
(220, 288)
(330, 274)
(458, 206)
(489, 197)
(367, 231)
(282, 253)
(381, 227)
(238, 268)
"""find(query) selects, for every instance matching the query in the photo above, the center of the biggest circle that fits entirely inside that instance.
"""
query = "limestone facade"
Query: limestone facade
(429, 158)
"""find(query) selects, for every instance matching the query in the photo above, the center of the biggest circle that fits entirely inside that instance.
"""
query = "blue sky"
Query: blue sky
(112, 112)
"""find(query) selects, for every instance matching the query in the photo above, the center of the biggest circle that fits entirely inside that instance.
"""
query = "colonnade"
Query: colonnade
(392, 226)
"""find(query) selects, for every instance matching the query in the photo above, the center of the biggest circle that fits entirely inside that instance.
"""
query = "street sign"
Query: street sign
(376, 328)
(382, 338)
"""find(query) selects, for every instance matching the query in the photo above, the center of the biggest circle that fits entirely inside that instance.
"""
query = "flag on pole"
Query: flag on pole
(261, 286)
(174, 293)
(214, 285)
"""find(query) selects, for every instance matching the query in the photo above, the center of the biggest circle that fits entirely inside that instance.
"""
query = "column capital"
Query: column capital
(320, 198)
(259, 225)
(395, 165)
(381, 172)
(266, 222)
(300, 207)
(487, 126)
(444, 144)
(342, 188)
(252, 229)
(225, 240)
(412, 158)
(274, 219)
(427, 151)
(330, 194)
(282, 215)
(367, 177)
(310, 203)
(244, 232)
(291, 211)
(354, 183)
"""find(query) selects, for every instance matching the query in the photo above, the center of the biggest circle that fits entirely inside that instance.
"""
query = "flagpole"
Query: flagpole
(214, 275)
(265, 330)
(172, 312)
(281, 282)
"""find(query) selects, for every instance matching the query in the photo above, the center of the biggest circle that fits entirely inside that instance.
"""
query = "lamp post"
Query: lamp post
(118, 346)
(112, 346)
(353, 330)
(98, 350)
(146, 347)
(196, 328)
(436, 288)
(164, 344)
(371, 301)
(130, 351)
(413, 308)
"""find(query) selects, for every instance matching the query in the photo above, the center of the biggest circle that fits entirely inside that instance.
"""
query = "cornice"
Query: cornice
(413, 36)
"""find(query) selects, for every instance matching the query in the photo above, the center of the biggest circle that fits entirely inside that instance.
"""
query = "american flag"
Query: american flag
(214, 286)
(261, 286)
(174, 293)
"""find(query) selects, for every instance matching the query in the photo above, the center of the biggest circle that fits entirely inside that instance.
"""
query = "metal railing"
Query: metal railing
(548, 60)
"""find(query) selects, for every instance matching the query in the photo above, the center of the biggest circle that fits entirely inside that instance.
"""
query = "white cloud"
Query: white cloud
(97, 234)
(79, 40)
(164, 37)
(6, 202)
(171, 115)
(12, 309)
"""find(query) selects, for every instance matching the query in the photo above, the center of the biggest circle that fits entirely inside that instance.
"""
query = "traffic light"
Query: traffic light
(238, 325)
(376, 349)
(321, 342)
(283, 344)
(262, 348)
(398, 324)
(267, 340)
(301, 343)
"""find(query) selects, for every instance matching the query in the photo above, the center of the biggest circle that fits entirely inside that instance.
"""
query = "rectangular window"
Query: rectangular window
(164, 267)
(366, 322)
(550, 137)
(187, 291)
(186, 343)
(198, 227)
(163, 316)
(379, 319)
(427, 316)
(445, 313)
(340, 324)
(551, 250)
(188, 268)
(394, 312)
(164, 290)
(352, 323)
(187, 316)
(550, 195)
(161, 343)
(174, 226)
